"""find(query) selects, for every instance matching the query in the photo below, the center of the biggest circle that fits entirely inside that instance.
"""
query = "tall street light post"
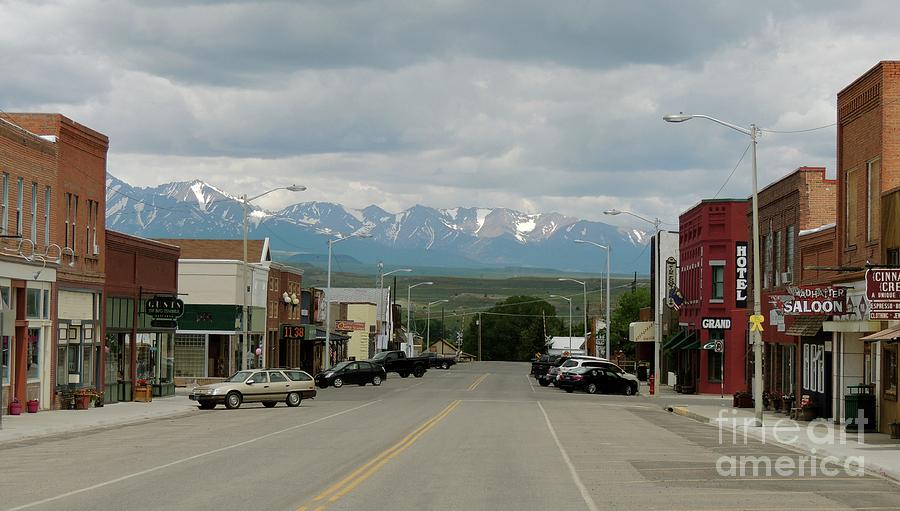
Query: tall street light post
(570, 318)
(409, 336)
(755, 335)
(245, 316)
(657, 307)
(608, 320)
(428, 322)
(331, 243)
(584, 304)
(386, 315)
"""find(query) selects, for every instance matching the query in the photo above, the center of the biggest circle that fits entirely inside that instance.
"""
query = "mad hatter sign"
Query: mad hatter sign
(814, 301)
(883, 292)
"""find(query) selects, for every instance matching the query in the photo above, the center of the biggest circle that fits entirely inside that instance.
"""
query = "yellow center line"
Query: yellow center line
(477, 382)
(362, 473)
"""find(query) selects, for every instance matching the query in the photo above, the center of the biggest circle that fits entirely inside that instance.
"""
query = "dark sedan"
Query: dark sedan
(346, 373)
(608, 379)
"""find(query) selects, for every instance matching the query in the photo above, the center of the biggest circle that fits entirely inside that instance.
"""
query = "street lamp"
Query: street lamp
(245, 319)
(428, 322)
(570, 318)
(409, 337)
(584, 304)
(386, 317)
(331, 242)
(608, 319)
(755, 335)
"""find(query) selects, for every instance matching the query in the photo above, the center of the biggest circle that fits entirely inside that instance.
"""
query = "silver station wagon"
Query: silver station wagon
(266, 386)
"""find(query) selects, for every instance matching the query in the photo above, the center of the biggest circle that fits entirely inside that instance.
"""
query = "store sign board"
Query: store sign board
(742, 278)
(164, 307)
(163, 323)
(883, 292)
(812, 301)
(716, 324)
(349, 326)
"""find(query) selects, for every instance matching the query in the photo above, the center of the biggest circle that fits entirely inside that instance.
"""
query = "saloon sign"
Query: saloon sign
(813, 301)
(883, 292)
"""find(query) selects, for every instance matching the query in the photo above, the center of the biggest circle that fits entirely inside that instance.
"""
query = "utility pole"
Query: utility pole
(479, 337)
(634, 283)
(442, 322)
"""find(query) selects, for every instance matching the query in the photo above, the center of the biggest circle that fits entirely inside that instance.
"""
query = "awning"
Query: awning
(886, 334)
(642, 331)
(691, 341)
(806, 326)
(674, 340)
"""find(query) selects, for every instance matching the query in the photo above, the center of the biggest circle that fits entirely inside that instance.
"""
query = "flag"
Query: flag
(676, 299)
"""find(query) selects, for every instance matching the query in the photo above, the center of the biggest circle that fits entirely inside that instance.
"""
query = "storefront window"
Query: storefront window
(33, 303)
(113, 352)
(145, 357)
(34, 353)
(165, 351)
(190, 356)
(890, 370)
(714, 358)
(4, 360)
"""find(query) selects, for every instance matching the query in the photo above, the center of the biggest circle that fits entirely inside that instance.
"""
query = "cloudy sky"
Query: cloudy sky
(532, 105)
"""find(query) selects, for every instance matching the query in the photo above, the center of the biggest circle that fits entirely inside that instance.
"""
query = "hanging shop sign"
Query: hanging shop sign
(164, 307)
(883, 292)
(671, 282)
(717, 345)
(349, 326)
(742, 280)
(716, 323)
(812, 301)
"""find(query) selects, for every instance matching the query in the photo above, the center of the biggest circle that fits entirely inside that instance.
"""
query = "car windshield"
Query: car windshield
(570, 363)
(340, 366)
(581, 370)
(239, 376)
(380, 356)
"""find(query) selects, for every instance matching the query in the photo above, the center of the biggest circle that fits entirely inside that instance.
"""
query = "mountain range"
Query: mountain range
(490, 238)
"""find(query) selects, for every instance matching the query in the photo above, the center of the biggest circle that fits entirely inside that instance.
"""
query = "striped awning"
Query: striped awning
(884, 335)
(674, 340)
(806, 326)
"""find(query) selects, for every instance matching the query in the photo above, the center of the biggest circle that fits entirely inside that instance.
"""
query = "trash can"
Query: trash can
(860, 402)
(642, 372)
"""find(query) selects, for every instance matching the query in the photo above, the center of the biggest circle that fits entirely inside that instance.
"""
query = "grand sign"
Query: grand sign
(813, 301)
(164, 307)
(883, 292)
(716, 323)
(742, 280)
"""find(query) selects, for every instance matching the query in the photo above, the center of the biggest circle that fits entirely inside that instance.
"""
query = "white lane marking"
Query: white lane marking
(581, 488)
(189, 458)
(531, 384)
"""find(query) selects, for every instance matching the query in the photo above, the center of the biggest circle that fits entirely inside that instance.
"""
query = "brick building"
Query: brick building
(714, 278)
(800, 201)
(867, 233)
(283, 309)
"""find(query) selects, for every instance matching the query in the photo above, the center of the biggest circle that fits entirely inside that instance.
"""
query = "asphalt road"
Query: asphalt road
(479, 436)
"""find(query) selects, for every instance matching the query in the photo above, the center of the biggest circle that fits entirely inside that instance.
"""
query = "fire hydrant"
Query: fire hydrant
(652, 382)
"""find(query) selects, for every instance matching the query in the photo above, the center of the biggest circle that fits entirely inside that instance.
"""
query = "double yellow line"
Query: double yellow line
(477, 382)
(355, 478)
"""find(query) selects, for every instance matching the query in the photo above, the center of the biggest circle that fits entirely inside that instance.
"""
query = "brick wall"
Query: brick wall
(817, 249)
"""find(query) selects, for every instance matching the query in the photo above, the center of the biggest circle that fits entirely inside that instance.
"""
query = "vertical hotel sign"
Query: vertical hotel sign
(741, 275)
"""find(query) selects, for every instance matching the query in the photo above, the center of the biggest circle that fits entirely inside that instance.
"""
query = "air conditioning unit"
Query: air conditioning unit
(787, 277)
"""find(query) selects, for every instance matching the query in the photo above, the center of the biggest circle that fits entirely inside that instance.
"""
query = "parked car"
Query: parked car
(345, 373)
(608, 379)
(266, 386)
(541, 366)
(557, 366)
(435, 360)
(396, 361)
(581, 361)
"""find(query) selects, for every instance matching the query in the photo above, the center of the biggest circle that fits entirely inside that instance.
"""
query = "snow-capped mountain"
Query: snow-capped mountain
(420, 235)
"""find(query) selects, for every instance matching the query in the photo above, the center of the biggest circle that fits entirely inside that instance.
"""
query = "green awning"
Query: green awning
(675, 339)
(691, 342)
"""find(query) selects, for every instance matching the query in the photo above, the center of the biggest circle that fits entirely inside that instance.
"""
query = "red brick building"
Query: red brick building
(714, 279)
(284, 306)
(798, 202)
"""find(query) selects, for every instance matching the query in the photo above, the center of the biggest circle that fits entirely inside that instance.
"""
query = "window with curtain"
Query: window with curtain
(767, 259)
(779, 256)
(873, 196)
(47, 216)
(34, 212)
(5, 205)
(850, 189)
(791, 235)
(19, 204)
(718, 282)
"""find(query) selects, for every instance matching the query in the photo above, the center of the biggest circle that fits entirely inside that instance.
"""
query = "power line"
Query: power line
(736, 165)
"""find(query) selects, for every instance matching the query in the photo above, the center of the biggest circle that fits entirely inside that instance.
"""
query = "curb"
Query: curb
(876, 470)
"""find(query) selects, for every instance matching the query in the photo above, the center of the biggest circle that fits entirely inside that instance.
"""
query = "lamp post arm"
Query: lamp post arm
(735, 127)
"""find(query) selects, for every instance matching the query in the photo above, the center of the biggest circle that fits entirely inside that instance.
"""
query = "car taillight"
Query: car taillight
(577, 377)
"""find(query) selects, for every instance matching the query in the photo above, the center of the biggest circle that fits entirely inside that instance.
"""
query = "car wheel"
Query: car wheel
(543, 383)
(233, 401)
(376, 381)
(570, 390)
(445, 365)
(591, 388)
(293, 399)
(269, 404)
(419, 372)
(629, 390)
(404, 375)
(338, 383)
(206, 405)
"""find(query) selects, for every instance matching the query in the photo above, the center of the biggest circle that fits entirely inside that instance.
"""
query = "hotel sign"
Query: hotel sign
(742, 280)
(883, 292)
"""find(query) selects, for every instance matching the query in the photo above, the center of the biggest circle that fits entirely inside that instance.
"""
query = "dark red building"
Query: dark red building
(715, 281)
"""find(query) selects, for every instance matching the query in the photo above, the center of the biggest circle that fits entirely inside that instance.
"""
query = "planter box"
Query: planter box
(743, 402)
(82, 402)
(32, 405)
(143, 394)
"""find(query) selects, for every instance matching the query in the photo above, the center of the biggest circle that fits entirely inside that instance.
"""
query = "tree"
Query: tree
(627, 311)
(512, 329)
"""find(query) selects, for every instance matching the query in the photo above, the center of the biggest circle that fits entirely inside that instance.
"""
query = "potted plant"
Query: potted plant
(83, 398)
(15, 407)
(767, 400)
(32, 405)
(807, 412)
(743, 399)
(98, 400)
(143, 391)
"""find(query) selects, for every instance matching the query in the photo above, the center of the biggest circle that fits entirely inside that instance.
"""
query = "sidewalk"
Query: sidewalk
(30, 426)
(876, 452)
